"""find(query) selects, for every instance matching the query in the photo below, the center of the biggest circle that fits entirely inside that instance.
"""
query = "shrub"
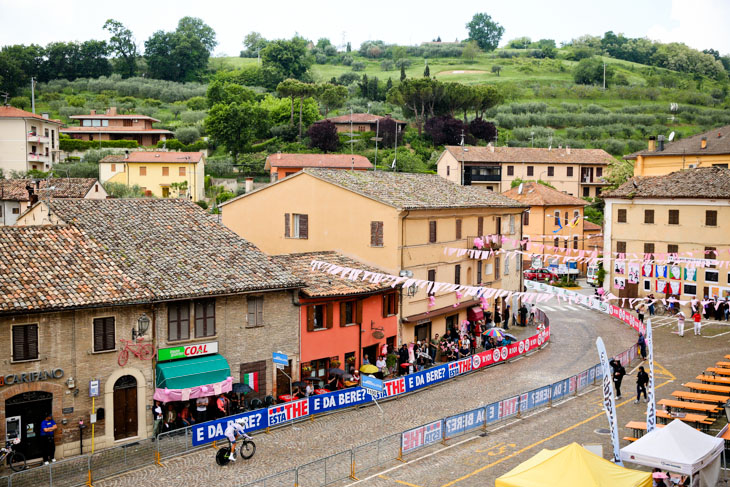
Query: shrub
(197, 103)
(202, 203)
(192, 117)
(346, 79)
(119, 190)
(95, 155)
(323, 136)
(386, 65)
(347, 60)
(358, 66)
(187, 135)
(446, 130)
(481, 129)
(22, 102)
(286, 132)
(70, 145)
(76, 170)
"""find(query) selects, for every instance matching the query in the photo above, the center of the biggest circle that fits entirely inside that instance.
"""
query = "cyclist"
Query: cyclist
(233, 430)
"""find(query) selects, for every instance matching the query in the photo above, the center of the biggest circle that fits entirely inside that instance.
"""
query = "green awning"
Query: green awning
(192, 372)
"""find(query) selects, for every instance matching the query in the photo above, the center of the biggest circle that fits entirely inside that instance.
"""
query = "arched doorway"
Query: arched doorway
(125, 407)
(32, 407)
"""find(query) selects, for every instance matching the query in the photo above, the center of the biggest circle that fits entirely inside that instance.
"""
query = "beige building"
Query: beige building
(115, 126)
(27, 141)
(82, 280)
(398, 222)
(158, 173)
(361, 122)
(650, 217)
(708, 149)
(577, 172)
(17, 195)
(551, 213)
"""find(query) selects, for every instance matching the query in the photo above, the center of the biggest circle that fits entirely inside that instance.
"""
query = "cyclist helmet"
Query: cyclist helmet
(240, 421)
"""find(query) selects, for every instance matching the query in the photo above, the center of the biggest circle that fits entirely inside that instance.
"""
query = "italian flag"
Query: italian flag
(252, 380)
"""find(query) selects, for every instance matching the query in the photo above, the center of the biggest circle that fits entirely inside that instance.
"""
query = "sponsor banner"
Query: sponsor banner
(509, 407)
(538, 397)
(583, 380)
(430, 376)
(213, 430)
(609, 401)
(492, 412)
(592, 374)
(338, 399)
(461, 423)
(289, 411)
(650, 398)
(560, 389)
(422, 436)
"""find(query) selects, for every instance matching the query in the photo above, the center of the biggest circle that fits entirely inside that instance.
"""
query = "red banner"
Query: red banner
(500, 354)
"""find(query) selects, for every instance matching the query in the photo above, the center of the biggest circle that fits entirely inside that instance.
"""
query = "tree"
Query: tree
(470, 52)
(589, 71)
(483, 130)
(486, 97)
(387, 130)
(496, 68)
(181, 55)
(417, 96)
(485, 31)
(234, 126)
(195, 27)
(323, 136)
(458, 97)
(427, 72)
(22, 102)
(446, 130)
(288, 57)
(227, 93)
(402, 72)
(331, 96)
(288, 89)
(253, 42)
(187, 135)
(123, 45)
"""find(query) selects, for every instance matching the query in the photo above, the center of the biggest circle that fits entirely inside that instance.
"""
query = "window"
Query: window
(565, 243)
(672, 249)
(526, 218)
(126, 123)
(105, 123)
(599, 172)
(551, 171)
(479, 272)
(204, 318)
(457, 274)
(96, 123)
(557, 218)
(566, 219)
(114, 168)
(575, 243)
(178, 321)
(710, 255)
(711, 218)
(319, 316)
(648, 248)
(498, 225)
(647, 285)
(621, 247)
(556, 243)
(181, 171)
(690, 289)
(376, 234)
(298, 227)
(432, 231)
(87, 123)
(496, 268)
(165, 171)
(506, 266)
(569, 171)
(648, 216)
(25, 342)
(350, 312)
(458, 229)
(142, 171)
(255, 311)
(621, 217)
(511, 224)
(431, 277)
(104, 339)
(448, 170)
(530, 171)
(390, 303)
(480, 226)
(712, 276)
(586, 191)
(510, 170)
(674, 217)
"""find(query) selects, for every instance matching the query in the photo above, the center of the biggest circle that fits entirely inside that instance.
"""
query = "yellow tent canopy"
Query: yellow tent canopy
(572, 466)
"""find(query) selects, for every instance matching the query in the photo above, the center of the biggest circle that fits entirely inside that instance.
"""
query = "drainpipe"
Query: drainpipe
(402, 250)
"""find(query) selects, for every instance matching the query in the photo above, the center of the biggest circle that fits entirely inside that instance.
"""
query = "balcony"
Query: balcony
(34, 157)
(487, 245)
(38, 139)
(482, 174)
(476, 178)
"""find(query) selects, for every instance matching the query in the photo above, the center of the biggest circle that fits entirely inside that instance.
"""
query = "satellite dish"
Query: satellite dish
(519, 190)
(671, 136)
(378, 334)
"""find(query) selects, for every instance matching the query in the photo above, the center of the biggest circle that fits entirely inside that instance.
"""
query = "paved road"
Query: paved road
(571, 350)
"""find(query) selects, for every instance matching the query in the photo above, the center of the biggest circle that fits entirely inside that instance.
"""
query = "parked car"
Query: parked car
(592, 275)
(540, 275)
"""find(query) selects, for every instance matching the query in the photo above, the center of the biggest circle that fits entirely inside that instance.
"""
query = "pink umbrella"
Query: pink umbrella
(660, 475)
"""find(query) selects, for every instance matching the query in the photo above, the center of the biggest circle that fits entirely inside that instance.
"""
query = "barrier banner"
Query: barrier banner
(338, 399)
(492, 412)
(609, 400)
(509, 407)
(560, 389)
(461, 423)
(290, 411)
(539, 397)
(422, 436)
(213, 430)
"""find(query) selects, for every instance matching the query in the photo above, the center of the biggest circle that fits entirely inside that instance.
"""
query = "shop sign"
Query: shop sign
(41, 375)
(187, 351)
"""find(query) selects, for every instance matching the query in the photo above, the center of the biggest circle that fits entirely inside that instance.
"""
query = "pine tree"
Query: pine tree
(438, 39)
(388, 85)
(427, 72)
(349, 47)
(402, 72)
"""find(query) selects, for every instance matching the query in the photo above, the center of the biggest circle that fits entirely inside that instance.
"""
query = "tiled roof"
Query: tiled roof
(335, 161)
(320, 284)
(15, 189)
(591, 227)
(530, 154)
(102, 116)
(168, 157)
(700, 183)
(718, 142)
(6, 111)
(358, 118)
(536, 194)
(112, 130)
(413, 190)
(58, 267)
(173, 247)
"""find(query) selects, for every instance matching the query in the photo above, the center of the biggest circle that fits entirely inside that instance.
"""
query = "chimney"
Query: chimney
(112, 111)
(32, 195)
(660, 141)
(278, 155)
(44, 115)
(491, 148)
(126, 154)
(567, 149)
(92, 112)
(652, 143)
(249, 185)
(703, 143)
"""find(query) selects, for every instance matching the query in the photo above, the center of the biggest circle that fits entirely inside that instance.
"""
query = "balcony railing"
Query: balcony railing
(483, 177)
(39, 139)
(38, 157)
(487, 245)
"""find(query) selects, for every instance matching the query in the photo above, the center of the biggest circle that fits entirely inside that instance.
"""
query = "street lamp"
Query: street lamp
(143, 324)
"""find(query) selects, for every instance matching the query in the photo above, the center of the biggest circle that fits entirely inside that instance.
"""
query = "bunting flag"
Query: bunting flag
(251, 380)
(609, 401)
(650, 398)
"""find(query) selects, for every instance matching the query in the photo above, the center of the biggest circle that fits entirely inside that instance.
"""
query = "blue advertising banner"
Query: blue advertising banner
(371, 383)
(213, 430)
(421, 436)
(538, 397)
(431, 376)
(492, 412)
(463, 422)
(560, 389)
(338, 399)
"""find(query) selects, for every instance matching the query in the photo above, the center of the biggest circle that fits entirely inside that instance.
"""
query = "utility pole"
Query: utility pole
(461, 170)
(604, 76)
(32, 94)
(377, 130)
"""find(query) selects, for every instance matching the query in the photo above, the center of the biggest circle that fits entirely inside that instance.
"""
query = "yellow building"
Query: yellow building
(578, 172)
(551, 213)
(398, 222)
(707, 149)
(158, 173)
(27, 141)
(680, 214)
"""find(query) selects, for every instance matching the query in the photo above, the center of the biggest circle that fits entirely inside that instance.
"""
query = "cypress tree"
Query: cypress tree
(402, 72)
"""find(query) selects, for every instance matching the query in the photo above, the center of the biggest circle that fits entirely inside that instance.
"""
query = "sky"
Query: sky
(701, 24)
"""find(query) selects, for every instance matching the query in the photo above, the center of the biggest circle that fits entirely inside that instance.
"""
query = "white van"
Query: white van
(592, 275)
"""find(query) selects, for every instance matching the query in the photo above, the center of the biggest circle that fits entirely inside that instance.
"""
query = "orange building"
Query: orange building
(340, 320)
(283, 165)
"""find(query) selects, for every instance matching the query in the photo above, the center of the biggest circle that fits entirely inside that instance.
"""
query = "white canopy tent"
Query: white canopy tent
(678, 448)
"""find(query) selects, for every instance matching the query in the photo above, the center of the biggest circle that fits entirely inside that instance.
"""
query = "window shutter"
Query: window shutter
(457, 274)
(287, 225)
(458, 229)
(98, 335)
(358, 311)
(303, 226)
(31, 340)
(394, 297)
(251, 311)
(310, 318)
(380, 234)
(330, 313)
(184, 316)
(373, 233)
(385, 306)
(343, 314)
(432, 232)
(480, 226)
(260, 311)
(109, 338)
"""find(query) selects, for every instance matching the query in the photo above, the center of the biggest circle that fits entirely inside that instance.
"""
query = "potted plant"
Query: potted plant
(391, 361)
(306, 369)
(335, 363)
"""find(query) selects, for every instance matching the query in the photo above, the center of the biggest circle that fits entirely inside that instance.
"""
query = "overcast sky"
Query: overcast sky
(700, 24)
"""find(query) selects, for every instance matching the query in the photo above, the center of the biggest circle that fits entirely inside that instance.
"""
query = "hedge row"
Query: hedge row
(70, 145)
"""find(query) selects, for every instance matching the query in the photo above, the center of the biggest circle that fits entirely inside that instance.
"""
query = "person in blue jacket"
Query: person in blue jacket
(48, 431)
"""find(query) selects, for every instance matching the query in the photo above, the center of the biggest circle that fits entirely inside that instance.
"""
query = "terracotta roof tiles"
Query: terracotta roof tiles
(359, 118)
(530, 154)
(15, 189)
(700, 183)
(6, 111)
(156, 156)
(718, 142)
(536, 194)
(334, 161)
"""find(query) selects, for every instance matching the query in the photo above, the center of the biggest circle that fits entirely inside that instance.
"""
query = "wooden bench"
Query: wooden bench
(696, 386)
(694, 406)
(687, 418)
(696, 396)
(714, 380)
(718, 370)
(722, 364)
(629, 439)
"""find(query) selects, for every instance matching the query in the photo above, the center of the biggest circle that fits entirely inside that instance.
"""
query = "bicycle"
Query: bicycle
(14, 459)
(143, 351)
(248, 448)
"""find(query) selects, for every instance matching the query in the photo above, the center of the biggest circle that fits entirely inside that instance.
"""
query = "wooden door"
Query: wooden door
(282, 381)
(125, 408)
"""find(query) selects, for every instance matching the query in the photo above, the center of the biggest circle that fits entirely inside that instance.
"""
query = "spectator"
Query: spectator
(642, 379)
(523, 315)
(506, 317)
(48, 431)
(157, 415)
(642, 346)
(221, 406)
(185, 417)
(170, 418)
(618, 375)
(680, 323)
(201, 410)
(698, 323)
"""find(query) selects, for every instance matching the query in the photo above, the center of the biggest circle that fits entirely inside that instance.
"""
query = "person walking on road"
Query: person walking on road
(523, 315)
(652, 309)
(506, 317)
(642, 346)
(680, 323)
(640, 312)
(642, 379)
(697, 317)
(618, 375)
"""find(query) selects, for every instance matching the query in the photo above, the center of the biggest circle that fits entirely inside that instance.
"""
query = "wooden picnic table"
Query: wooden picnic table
(727, 356)
(639, 427)
(695, 406)
(700, 397)
(722, 364)
(696, 386)
(687, 417)
(718, 370)
(713, 379)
